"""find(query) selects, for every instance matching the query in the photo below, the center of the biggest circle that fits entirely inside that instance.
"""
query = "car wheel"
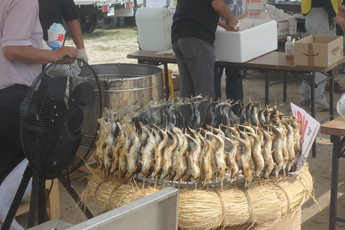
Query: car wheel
(108, 23)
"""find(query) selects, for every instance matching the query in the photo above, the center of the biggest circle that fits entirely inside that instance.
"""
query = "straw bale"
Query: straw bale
(260, 205)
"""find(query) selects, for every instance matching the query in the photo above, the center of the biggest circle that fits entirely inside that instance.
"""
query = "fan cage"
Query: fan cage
(58, 117)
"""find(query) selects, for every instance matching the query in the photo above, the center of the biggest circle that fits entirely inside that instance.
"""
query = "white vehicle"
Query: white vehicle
(92, 12)
(121, 9)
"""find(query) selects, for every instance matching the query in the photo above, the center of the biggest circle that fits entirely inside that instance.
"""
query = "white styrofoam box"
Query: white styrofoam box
(154, 28)
(256, 37)
(157, 3)
(282, 28)
(256, 4)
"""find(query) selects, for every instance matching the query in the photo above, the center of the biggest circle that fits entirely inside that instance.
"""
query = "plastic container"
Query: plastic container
(289, 48)
(341, 106)
(154, 28)
(292, 25)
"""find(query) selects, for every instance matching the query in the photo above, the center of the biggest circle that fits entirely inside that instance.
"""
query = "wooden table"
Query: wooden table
(336, 129)
(273, 61)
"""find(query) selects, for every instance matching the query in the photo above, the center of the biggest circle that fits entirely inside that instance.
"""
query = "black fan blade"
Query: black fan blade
(83, 94)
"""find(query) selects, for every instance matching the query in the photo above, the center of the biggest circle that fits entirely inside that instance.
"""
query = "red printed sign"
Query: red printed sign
(309, 129)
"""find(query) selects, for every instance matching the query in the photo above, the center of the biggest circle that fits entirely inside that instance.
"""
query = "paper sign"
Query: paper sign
(309, 129)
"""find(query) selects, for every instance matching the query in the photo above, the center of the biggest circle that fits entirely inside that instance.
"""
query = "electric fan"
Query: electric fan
(58, 128)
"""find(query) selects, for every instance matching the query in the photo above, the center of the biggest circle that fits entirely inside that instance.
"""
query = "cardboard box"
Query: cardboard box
(255, 38)
(318, 50)
(256, 4)
(176, 82)
(282, 28)
(255, 14)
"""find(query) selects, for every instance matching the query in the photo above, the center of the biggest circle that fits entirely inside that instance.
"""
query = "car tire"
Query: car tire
(108, 23)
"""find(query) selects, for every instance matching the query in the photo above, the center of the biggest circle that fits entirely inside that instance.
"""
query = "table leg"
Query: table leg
(166, 77)
(285, 87)
(312, 107)
(267, 85)
(312, 95)
(331, 95)
(334, 181)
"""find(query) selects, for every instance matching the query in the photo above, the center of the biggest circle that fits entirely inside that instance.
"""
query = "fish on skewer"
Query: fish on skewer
(220, 157)
(147, 155)
(267, 153)
(277, 149)
(257, 155)
(132, 156)
(246, 158)
(290, 146)
(296, 125)
(254, 119)
(231, 160)
(180, 163)
(159, 153)
(207, 162)
(168, 154)
(194, 156)
(123, 153)
(119, 142)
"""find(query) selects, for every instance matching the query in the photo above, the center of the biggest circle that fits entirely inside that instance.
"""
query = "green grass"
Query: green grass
(116, 34)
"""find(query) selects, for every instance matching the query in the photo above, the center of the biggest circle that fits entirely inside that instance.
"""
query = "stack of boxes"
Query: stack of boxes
(286, 24)
(255, 8)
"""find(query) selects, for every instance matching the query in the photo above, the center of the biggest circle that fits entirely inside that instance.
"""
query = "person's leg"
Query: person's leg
(186, 82)
(317, 23)
(305, 94)
(199, 58)
(8, 190)
(320, 99)
(218, 72)
(234, 86)
(12, 164)
(11, 152)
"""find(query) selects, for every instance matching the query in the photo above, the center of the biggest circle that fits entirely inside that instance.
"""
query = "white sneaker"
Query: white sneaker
(322, 108)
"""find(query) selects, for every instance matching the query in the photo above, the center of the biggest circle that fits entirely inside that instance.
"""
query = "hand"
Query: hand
(340, 21)
(65, 51)
(82, 55)
(232, 23)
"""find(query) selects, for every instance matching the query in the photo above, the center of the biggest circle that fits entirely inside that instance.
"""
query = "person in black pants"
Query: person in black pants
(234, 85)
(21, 62)
(192, 35)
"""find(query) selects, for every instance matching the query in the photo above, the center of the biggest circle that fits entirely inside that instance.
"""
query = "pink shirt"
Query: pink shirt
(19, 26)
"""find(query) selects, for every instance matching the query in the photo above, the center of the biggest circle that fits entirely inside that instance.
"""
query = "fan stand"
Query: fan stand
(38, 199)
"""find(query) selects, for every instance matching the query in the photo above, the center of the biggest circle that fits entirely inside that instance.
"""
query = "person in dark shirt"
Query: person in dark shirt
(192, 35)
(233, 82)
(58, 11)
(321, 18)
(21, 60)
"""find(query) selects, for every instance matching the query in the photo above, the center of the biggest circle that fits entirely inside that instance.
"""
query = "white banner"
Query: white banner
(309, 129)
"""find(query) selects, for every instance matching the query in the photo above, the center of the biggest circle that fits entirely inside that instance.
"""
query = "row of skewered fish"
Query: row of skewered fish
(184, 112)
(255, 144)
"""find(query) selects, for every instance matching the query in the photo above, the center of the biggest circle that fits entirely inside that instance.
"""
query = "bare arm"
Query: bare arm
(76, 34)
(223, 11)
(29, 54)
(340, 21)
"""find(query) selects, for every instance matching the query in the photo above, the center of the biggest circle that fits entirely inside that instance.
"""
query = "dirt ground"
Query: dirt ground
(314, 216)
